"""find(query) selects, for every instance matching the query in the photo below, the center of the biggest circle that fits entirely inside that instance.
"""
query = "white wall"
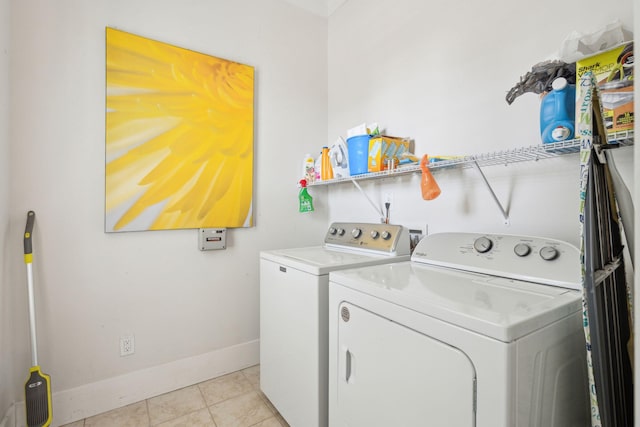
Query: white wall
(92, 287)
(319, 7)
(6, 302)
(439, 73)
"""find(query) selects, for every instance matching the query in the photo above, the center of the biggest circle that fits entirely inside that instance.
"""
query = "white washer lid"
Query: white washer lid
(320, 260)
(501, 308)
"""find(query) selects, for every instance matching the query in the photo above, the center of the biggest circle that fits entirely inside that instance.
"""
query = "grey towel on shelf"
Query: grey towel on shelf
(539, 79)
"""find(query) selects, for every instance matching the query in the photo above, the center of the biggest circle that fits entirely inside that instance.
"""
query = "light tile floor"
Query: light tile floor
(233, 400)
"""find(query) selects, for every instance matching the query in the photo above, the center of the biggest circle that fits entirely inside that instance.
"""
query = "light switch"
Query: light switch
(212, 238)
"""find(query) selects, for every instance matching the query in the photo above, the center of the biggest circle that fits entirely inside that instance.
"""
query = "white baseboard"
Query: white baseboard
(92, 399)
(9, 419)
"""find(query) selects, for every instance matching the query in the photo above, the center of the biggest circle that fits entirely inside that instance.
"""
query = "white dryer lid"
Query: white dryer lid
(497, 307)
(320, 260)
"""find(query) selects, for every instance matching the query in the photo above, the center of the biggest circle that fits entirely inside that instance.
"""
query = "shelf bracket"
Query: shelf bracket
(493, 194)
(378, 210)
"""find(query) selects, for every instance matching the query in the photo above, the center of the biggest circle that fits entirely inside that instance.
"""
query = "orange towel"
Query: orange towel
(429, 186)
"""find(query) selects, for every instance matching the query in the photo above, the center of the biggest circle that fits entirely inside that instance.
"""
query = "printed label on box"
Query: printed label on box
(613, 71)
(383, 148)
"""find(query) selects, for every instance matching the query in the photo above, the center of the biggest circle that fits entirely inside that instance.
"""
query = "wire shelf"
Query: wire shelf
(504, 157)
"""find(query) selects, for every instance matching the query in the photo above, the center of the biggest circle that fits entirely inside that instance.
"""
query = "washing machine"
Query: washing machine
(294, 291)
(479, 330)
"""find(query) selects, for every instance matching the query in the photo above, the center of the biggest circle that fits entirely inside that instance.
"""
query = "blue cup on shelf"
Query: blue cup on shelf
(358, 148)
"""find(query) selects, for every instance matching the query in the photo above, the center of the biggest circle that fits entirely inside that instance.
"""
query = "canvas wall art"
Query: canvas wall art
(179, 137)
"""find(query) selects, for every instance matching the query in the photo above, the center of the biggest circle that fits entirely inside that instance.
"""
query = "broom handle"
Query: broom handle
(28, 260)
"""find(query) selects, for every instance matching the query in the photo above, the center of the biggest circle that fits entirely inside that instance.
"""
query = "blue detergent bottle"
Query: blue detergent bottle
(558, 112)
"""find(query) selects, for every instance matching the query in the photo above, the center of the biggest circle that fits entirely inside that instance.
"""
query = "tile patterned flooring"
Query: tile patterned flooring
(233, 400)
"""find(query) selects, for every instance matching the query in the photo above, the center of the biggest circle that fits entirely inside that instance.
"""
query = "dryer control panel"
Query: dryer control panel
(533, 259)
(388, 239)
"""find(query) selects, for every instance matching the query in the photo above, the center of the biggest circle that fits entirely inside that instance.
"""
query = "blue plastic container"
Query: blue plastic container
(358, 148)
(558, 112)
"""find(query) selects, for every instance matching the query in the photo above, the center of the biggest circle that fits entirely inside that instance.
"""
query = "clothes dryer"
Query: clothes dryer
(479, 330)
(294, 289)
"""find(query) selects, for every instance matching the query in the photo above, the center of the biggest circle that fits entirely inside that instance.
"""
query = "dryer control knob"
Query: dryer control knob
(375, 234)
(548, 253)
(522, 249)
(340, 231)
(332, 231)
(386, 235)
(356, 232)
(483, 244)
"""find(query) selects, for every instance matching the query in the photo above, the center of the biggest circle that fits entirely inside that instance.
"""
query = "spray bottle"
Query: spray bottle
(306, 201)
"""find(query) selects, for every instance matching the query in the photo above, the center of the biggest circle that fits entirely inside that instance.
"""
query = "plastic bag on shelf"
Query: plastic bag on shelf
(578, 45)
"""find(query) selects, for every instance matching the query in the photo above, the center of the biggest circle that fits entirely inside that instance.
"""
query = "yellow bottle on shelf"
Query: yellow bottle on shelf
(327, 169)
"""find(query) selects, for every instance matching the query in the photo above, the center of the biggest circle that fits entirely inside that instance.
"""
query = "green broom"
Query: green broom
(37, 390)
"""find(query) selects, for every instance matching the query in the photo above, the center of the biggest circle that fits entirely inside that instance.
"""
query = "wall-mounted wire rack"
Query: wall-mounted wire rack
(503, 157)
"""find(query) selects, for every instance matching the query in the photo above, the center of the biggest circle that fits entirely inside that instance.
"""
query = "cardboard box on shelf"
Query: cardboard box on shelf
(383, 148)
(613, 70)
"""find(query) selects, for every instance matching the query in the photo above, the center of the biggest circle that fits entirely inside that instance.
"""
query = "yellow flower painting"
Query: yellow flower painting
(179, 137)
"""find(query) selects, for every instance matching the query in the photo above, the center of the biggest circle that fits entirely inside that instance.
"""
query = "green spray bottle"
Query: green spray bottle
(306, 201)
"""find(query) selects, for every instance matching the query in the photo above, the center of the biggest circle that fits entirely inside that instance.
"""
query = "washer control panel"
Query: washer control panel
(383, 238)
(484, 244)
(534, 259)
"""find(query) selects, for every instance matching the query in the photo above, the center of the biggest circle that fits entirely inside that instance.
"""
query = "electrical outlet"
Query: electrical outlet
(415, 235)
(127, 345)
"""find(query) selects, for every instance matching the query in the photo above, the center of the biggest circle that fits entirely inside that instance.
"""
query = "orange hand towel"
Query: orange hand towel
(429, 186)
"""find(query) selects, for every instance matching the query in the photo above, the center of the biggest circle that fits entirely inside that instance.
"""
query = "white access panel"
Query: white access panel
(384, 369)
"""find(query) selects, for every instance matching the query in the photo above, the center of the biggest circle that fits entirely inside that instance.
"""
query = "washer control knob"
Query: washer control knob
(356, 232)
(375, 234)
(483, 244)
(522, 249)
(386, 235)
(332, 231)
(548, 253)
(340, 231)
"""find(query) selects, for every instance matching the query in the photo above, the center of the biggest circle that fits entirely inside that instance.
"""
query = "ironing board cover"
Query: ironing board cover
(586, 125)
(584, 131)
